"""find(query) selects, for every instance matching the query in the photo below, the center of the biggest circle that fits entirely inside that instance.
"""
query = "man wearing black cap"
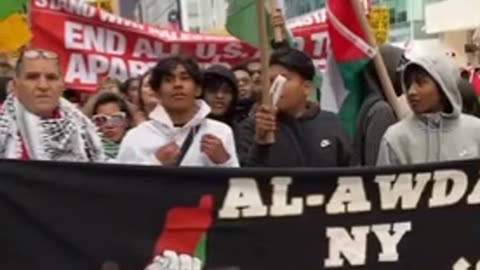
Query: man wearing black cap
(305, 136)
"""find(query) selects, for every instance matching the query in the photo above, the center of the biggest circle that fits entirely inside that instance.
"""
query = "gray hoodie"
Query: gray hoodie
(423, 138)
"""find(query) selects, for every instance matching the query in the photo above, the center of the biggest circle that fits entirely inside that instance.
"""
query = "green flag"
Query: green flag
(8, 7)
(242, 21)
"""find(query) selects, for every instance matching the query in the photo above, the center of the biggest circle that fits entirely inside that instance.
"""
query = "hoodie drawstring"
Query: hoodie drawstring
(431, 124)
(427, 153)
(439, 139)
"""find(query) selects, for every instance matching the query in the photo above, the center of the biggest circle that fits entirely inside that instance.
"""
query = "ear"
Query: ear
(14, 83)
(307, 87)
(198, 92)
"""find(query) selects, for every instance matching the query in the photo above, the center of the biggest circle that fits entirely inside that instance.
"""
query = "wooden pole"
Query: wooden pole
(382, 72)
(264, 60)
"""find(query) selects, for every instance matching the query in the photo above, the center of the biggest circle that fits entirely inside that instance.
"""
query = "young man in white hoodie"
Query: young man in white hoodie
(437, 130)
(179, 133)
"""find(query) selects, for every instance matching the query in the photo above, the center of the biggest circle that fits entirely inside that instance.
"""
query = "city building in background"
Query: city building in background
(190, 15)
(295, 8)
(461, 31)
(165, 13)
(123, 8)
(407, 16)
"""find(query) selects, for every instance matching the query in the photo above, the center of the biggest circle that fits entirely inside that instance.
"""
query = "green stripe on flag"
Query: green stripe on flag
(355, 85)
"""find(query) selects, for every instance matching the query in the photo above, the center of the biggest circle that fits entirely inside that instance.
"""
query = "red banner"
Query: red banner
(93, 43)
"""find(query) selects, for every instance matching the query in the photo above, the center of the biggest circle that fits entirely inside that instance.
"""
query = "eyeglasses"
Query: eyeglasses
(33, 54)
(116, 119)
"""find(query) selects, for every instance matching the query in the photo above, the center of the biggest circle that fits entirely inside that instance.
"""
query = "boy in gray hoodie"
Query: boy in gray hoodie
(438, 130)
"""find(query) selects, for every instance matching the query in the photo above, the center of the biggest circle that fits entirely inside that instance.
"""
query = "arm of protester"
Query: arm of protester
(380, 119)
(386, 155)
(220, 153)
(278, 22)
(265, 122)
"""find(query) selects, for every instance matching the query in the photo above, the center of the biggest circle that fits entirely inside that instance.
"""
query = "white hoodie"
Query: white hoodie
(141, 143)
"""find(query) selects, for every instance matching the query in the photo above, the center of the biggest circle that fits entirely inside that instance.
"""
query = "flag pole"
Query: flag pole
(382, 72)
(264, 60)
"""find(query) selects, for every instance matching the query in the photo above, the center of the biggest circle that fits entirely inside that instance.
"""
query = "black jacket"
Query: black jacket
(316, 139)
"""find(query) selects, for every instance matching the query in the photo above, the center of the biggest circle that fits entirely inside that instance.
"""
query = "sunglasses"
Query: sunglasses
(33, 54)
(116, 119)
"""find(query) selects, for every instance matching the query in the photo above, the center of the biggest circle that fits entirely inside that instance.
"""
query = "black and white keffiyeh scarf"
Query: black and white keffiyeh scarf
(71, 137)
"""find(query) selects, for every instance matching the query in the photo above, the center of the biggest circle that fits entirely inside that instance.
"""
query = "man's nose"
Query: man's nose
(412, 90)
(42, 83)
(177, 82)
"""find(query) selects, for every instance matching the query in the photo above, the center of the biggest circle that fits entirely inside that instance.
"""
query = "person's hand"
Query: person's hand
(214, 149)
(168, 154)
(265, 123)
(171, 260)
(278, 20)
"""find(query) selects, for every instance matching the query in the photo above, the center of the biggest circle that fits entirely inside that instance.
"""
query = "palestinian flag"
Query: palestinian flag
(343, 85)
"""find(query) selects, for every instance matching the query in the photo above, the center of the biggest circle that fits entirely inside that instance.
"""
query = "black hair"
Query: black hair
(416, 73)
(214, 83)
(109, 97)
(126, 84)
(166, 66)
(470, 101)
(295, 61)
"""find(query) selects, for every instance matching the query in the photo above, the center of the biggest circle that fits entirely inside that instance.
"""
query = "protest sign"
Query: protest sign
(81, 216)
(93, 43)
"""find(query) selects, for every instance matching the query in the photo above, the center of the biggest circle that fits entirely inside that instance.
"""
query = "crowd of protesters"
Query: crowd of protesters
(178, 114)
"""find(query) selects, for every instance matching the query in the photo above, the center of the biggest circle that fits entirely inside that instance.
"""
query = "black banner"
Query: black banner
(102, 217)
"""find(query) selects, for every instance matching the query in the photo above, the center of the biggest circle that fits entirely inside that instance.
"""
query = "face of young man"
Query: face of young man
(244, 84)
(219, 100)
(425, 96)
(295, 91)
(39, 86)
(178, 91)
(255, 69)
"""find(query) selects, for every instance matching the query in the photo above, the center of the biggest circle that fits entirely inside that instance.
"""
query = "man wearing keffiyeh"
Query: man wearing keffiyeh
(36, 123)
